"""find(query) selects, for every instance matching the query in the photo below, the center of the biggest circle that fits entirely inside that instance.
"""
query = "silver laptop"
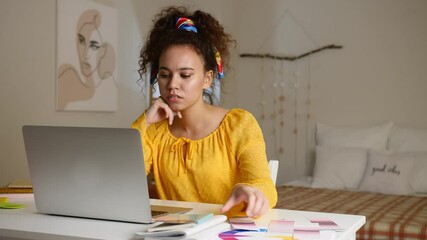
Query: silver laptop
(89, 172)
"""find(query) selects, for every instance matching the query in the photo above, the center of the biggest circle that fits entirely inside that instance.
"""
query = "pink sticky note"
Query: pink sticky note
(326, 224)
(243, 223)
(281, 226)
(307, 231)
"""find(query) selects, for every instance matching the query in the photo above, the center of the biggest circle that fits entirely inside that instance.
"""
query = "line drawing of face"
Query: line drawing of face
(89, 43)
(96, 65)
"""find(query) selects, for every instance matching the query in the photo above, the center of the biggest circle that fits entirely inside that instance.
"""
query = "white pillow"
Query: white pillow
(418, 179)
(388, 173)
(408, 139)
(339, 167)
(374, 137)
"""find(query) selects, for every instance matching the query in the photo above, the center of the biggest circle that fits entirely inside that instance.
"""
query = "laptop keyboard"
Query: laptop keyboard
(157, 213)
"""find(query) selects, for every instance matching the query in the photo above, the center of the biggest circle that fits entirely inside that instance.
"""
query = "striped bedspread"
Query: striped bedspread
(387, 216)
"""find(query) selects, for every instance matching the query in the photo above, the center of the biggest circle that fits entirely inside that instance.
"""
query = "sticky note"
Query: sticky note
(8, 205)
(243, 223)
(281, 226)
(326, 224)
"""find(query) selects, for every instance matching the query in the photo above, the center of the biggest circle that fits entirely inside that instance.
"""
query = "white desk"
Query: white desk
(26, 223)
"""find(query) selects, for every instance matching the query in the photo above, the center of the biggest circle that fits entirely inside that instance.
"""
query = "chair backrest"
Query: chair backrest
(274, 167)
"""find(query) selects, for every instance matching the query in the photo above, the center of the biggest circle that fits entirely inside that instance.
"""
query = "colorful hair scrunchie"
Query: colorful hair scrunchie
(219, 64)
(185, 24)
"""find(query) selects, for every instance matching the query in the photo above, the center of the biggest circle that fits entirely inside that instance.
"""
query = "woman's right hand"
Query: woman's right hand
(158, 111)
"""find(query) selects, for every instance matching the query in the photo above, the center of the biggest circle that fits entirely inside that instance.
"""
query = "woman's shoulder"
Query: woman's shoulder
(239, 115)
(241, 127)
(238, 118)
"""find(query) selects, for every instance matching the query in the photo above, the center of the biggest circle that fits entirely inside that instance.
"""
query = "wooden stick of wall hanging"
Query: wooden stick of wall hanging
(290, 58)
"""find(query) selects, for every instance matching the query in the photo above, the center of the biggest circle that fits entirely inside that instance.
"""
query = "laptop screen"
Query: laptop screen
(88, 172)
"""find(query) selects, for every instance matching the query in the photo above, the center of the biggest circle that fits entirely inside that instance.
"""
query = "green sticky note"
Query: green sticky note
(9, 205)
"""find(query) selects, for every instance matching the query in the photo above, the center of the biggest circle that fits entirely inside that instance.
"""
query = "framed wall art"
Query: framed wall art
(86, 70)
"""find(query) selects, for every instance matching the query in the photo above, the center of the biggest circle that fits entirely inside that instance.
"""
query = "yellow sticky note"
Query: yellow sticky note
(3, 199)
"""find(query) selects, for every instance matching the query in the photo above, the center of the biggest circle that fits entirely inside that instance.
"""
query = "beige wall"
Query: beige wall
(27, 67)
(379, 75)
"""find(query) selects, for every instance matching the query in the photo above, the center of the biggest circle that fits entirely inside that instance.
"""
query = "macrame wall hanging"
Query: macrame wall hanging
(285, 98)
(280, 83)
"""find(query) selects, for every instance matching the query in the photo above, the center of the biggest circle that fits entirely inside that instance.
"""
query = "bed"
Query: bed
(387, 216)
(380, 172)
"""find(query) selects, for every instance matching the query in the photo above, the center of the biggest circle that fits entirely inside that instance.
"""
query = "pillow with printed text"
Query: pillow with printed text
(388, 173)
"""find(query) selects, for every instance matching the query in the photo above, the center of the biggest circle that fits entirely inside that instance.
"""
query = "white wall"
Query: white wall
(379, 74)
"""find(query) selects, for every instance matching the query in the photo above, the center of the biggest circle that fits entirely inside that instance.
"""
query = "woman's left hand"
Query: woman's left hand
(257, 203)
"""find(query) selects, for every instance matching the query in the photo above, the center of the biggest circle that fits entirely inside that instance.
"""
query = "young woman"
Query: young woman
(197, 151)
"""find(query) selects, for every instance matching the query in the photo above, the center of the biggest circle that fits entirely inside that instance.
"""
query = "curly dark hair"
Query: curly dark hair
(210, 35)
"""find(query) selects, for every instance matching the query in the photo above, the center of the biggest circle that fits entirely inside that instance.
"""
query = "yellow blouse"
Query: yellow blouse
(233, 153)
